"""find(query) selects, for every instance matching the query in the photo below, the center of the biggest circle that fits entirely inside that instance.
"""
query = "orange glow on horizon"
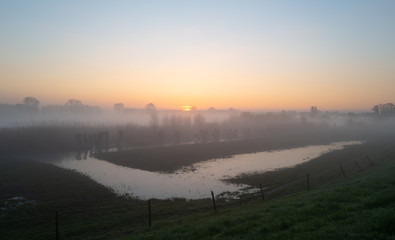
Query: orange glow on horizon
(186, 108)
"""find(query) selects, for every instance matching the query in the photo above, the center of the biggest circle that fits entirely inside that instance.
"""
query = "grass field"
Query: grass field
(31, 192)
(172, 158)
(360, 206)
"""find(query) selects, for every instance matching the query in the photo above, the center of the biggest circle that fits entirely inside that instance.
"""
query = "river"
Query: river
(195, 181)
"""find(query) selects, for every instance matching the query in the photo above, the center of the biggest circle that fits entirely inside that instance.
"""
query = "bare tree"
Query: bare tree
(31, 102)
(383, 110)
(153, 112)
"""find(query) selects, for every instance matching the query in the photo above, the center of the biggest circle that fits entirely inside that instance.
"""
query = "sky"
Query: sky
(273, 55)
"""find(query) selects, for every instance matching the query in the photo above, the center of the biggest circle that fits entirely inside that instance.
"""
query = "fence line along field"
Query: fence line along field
(35, 192)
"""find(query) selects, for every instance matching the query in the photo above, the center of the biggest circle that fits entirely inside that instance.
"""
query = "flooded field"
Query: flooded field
(194, 181)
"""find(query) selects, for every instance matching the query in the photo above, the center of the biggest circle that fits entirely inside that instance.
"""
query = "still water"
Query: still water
(194, 181)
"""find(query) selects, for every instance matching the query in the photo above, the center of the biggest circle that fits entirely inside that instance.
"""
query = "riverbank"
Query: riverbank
(31, 192)
(327, 168)
(359, 207)
(172, 158)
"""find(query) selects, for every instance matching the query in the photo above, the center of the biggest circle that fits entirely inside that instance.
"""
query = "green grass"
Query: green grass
(322, 170)
(362, 207)
(172, 158)
(87, 210)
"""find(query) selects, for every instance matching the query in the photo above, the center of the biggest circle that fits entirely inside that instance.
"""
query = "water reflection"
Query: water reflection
(191, 182)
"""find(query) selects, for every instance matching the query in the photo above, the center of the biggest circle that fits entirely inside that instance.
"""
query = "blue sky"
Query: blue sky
(199, 52)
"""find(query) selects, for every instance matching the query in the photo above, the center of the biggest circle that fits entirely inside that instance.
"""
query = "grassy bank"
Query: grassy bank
(361, 207)
(43, 189)
(322, 170)
(31, 192)
(172, 158)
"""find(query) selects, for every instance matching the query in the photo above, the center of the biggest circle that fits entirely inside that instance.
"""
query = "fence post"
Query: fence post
(240, 199)
(370, 161)
(215, 206)
(149, 212)
(341, 168)
(308, 181)
(57, 225)
(356, 163)
(263, 196)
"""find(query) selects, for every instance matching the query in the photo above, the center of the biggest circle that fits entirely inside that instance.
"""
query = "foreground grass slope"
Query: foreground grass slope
(31, 192)
(358, 207)
(362, 207)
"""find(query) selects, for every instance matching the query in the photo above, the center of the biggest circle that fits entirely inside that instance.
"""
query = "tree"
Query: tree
(150, 107)
(383, 110)
(314, 110)
(74, 105)
(376, 109)
(119, 107)
(31, 102)
(199, 120)
(153, 113)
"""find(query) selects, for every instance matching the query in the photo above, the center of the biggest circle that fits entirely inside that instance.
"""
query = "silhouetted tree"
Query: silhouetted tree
(31, 102)
(74, 105)
(203, 135)
(376, 109)
(216, 133)
(314, 110)
(199, 120)
(153, 112)
(383, 110)
(119, 107)
(119, 140)
(160, 138)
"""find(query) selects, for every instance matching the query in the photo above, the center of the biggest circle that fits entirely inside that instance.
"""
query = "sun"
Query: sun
(186, 108)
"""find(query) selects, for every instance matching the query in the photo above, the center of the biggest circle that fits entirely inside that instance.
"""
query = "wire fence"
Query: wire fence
(139, 215)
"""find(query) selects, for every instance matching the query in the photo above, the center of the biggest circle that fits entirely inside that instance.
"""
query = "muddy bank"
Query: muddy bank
(171, 158)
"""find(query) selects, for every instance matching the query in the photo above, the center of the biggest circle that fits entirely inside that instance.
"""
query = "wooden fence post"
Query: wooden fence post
(370, 161)
(215, 206)
(263, 196)
(341, 168)
(308, 182)
(149, 212)
(57, 225)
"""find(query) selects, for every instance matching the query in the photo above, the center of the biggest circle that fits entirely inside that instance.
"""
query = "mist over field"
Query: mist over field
(219, 119)
(75, 126)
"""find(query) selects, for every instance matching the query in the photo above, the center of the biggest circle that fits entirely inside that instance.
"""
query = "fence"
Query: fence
(136, 216)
